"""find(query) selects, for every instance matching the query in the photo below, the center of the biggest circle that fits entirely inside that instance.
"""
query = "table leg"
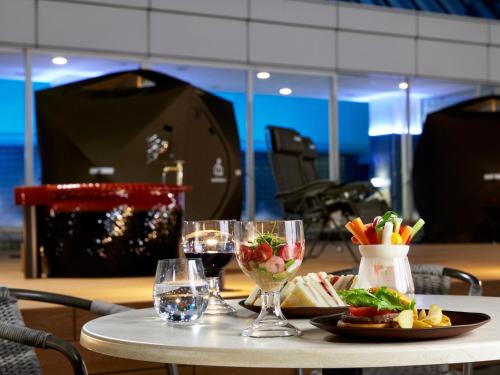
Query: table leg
(468, 368)
(172, 369)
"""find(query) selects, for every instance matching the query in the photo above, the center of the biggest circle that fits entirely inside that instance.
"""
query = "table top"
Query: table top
(141, 335)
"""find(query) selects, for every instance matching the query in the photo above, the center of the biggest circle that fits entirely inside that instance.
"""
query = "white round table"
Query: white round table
(141, 335)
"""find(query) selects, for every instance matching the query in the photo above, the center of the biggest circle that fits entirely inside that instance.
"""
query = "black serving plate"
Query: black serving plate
(462, 322)
(301, 312)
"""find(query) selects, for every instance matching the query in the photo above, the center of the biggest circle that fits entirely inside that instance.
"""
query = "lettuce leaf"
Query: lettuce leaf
(382, 299)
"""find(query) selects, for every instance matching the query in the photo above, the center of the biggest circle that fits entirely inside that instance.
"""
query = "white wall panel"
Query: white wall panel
(453, 28)
(127, 3)
(451, 60)
(17, 21)
(289, 45)
(376, 53)
(495, 33)
(494, 64)
(193, 36)
(230, 8)
(92, 27)
(377, 20)
(299, 12)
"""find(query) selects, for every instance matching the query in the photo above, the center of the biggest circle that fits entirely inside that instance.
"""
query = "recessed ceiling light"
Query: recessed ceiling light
(285, 91)
(59, 60)
(263, 75)
(403, 85)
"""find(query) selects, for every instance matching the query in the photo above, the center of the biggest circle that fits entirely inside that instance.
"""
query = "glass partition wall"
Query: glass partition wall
(372, 120)
(374, 124)
(12, 140)
(227, 83)
(380, 145)
(294, 101)
(55, 69)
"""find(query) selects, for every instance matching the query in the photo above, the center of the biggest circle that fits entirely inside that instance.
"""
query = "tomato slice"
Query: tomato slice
(285, 253)
(245, 253)
(367, 311)
(262, 252)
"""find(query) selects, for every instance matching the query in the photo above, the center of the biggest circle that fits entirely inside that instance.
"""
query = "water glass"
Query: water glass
(181, 290)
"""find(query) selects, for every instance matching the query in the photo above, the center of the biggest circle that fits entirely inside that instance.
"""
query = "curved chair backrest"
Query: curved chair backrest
(285, 152)
(309, 156)
(15, 358)
(434, 279)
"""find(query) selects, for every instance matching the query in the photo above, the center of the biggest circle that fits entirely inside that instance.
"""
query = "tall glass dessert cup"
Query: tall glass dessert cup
(270, 253)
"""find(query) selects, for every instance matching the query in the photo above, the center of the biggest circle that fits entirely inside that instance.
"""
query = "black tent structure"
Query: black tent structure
(456, 175)
(106, 124)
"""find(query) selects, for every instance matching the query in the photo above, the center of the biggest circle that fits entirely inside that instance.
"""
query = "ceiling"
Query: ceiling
(350, 87)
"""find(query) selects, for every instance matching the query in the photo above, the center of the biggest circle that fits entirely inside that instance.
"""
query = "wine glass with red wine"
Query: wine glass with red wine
(212, 241)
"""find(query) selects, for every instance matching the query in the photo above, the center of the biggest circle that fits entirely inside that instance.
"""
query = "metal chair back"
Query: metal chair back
(15, 358)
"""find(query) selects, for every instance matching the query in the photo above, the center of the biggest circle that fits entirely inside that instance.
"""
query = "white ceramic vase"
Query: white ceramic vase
(385, 265)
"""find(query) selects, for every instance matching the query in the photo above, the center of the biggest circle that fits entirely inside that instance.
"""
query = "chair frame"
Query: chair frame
(54, 342)
(57, 343)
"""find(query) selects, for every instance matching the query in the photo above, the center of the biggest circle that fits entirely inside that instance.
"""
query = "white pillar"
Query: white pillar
(28, 120)
(333, 131)
(407, 159)
(250, 157)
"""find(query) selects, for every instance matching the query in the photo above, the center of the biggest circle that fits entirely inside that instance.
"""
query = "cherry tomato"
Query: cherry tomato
(367, 311)
(262, 252)
(285, 253)
(245, 253)
(297, 250)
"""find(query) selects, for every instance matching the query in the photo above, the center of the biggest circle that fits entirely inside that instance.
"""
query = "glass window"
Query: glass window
(50, 70)
(298, 102)
(372, 118)
(228, 84)
(11, 142)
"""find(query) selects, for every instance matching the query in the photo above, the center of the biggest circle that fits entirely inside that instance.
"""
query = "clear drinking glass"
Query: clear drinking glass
(181, 290)
(212, 241)
(270, 252)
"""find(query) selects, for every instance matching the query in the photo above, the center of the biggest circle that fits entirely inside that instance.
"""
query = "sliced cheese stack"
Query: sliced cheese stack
(313, 290)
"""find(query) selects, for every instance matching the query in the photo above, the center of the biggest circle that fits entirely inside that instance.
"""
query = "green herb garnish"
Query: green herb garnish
(388, 216)
(271, 239)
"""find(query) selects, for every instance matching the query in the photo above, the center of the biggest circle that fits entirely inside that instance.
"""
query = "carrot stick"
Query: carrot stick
(357, 228)
(405, 235)
(355, 240)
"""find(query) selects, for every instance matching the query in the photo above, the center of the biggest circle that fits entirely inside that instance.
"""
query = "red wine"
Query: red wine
(213, 263)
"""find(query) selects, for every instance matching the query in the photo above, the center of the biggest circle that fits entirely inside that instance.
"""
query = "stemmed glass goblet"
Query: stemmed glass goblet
(270, 254)
(212, 241)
